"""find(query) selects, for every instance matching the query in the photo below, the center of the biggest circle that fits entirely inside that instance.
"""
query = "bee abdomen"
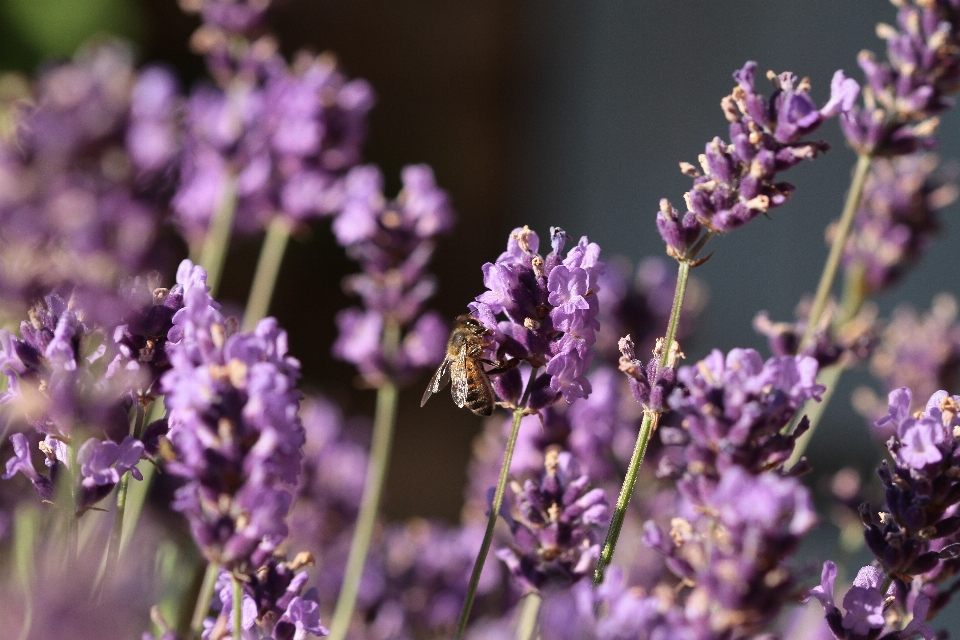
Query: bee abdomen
(480, 397)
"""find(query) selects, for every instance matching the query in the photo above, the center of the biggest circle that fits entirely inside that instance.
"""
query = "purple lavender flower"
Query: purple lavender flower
(69, 206)
(273, 606)
(233, 404)
(732, 546)
(555, 527)
(920, 351)
(896, 218)
(393, 242)
(57, 383)
(904, 93)
(551, 308)
(736, 180)
(733, 409)
(863, 604)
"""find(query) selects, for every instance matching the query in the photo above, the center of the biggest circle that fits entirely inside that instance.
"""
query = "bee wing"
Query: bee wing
(438, 381)
(458, 375)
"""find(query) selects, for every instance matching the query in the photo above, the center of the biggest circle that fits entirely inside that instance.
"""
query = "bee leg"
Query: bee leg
(501, 367)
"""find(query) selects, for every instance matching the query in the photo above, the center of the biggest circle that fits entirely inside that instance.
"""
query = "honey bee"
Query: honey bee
(464, 367)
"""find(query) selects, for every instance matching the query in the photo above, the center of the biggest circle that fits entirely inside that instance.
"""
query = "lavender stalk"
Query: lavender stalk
(527, 628)
(832, 265)
(491, 522)
(383, 423)
(647, 427)
(268, 267)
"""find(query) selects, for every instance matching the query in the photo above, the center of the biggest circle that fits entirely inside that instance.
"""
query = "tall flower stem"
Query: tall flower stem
(647, 427)
(214, 251)
(814, 411)
(383, 423)
(237, 607)
(491, 522)
(203, 600)
(268, 267)
(527, 627)
(113, 549)
(26, 524)
(832, 265)
(137, 494)
(854, 294)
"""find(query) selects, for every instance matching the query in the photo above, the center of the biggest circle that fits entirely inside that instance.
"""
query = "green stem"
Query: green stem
(26, 524)
(527, 628)
(214, 251)
(814, 411)
(491, 522)
(137, 494)
(839, 242)
(383, 423)
(237, 608)
(268, 267)
(203, 600)
(647, 427)
(113, 551)
(113, 547)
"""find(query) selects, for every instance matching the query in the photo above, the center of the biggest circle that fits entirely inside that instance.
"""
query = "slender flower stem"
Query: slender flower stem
(203, 600)
(491, 522)
(383, 423)
(647, 427)
(113, 551)
(527, 628)
(113, 548)
(214, 251)
(839, 242)
(237, 608)
(268, 267)
(814, 411)
(26, 524)
(137, 494)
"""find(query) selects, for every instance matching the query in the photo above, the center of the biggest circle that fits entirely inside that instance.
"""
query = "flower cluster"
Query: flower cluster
(555, 526)
(897, 217)
(276, 146)
(849, 344)
(272, 606)
(551, 308)
(741, 514)
(736, 180)
(916, 537)
(233, 404)
(392, 338)
(920, 351)
(733, 409)
(904, 94)
(57, 381)
(69, 203)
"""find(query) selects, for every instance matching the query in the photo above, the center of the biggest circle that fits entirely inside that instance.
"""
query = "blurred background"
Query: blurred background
(572, 114)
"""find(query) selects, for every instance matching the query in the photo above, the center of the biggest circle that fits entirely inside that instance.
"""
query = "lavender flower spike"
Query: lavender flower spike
(551, 309)
(234, 428)
(736, 179)
(556, 526)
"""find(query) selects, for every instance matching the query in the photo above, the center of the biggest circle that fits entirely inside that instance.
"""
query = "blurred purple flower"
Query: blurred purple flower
(555, 527)
(897, 216)
(72, 209)
(393, 242)
(904, 93)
